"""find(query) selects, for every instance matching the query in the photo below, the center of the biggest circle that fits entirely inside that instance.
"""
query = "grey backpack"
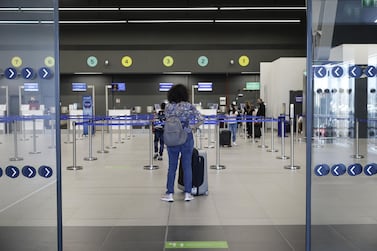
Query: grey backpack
(174, 134)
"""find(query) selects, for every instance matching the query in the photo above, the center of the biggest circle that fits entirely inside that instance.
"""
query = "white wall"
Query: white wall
(277, 79)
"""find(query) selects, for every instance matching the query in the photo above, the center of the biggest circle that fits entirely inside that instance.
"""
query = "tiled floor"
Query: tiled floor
(113, 203)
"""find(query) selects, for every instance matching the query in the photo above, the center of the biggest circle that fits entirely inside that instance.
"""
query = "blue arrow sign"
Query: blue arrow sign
(29, 171)
(45, 73)
(371, 71)
(322, 170)
(370, 169)
(320, 71)
(338, 169)
(12, 172)
(10, 73)
(337, 71)
(27, 73)
(1, 172)
(355, 169)
(355, 71)
(45, 171)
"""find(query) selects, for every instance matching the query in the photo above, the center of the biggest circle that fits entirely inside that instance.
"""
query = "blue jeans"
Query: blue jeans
(159, 138)
(233, 130)
(186, 156)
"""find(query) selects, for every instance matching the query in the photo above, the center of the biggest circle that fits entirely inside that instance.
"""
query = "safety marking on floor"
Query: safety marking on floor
(196, 244)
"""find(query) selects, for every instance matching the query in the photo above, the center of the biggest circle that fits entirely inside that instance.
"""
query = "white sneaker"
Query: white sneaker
(167, 197)
(188, 197)
(234, 143)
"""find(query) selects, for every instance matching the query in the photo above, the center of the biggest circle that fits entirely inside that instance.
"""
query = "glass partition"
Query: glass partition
(29, 162)
(342, 90)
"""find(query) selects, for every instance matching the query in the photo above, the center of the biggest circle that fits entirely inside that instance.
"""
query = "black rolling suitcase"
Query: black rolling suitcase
(225, 138)
(199, 174)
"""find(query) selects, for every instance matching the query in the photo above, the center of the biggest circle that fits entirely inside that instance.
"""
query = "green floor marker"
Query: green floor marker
(196, 244)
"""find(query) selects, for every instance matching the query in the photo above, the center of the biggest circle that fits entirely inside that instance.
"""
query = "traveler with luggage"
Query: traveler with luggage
(180, 107)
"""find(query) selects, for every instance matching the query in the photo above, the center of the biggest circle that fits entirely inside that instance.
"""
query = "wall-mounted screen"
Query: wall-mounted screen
(31, 87)
(252, 86)
(79, 87)
(205, 86)
(165, 87)
(118, 87)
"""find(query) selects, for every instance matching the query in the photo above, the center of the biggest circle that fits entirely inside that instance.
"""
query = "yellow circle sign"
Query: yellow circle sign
(244, 61)
(168, 61)
(126, 61)
(49, 61)
(16, 61)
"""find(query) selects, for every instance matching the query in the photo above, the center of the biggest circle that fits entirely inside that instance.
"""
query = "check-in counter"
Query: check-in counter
(119, 112)
(28, 124)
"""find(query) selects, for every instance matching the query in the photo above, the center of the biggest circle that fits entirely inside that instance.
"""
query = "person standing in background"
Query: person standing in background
(232, 122)
(261, 108)
(159, 133)
(180, 107)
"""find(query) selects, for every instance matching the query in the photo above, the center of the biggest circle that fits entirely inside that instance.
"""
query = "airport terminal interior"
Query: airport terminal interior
(81, 82)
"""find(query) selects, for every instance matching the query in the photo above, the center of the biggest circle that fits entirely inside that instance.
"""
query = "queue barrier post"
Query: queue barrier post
(90, 157)
(282, 126)
(52, 141)
(74, 166)
(111, 146)
(119, 133)
(151, 166)
(292, 166)
(102, 138)
(209, 136)
(16, 157)
(34, 140)
(357, 154)
(263, 145)
(272, 149)
(23, 130)
(217, 166)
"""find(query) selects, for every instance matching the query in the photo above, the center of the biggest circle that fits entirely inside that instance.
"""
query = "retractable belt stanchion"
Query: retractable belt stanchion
(198, 141)
(102, 138)
(119, 133)
(34, 140)
(209, 136)
(272, 149)
(111, 146)
(53, 145)
(74, 166)
(90, 157)
(23, 130)
(253, 131)
(262, 145)
(68, 140)
(357, 154)
(292, 166)
(217, 142)
(282, 126)
(16, 157)
(151, 143)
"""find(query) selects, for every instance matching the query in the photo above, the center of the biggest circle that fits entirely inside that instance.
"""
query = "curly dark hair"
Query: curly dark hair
(178, 93)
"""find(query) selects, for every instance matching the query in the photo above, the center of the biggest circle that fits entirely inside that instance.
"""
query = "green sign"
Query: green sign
(252, 86)
(369, 3)
(195, 244)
